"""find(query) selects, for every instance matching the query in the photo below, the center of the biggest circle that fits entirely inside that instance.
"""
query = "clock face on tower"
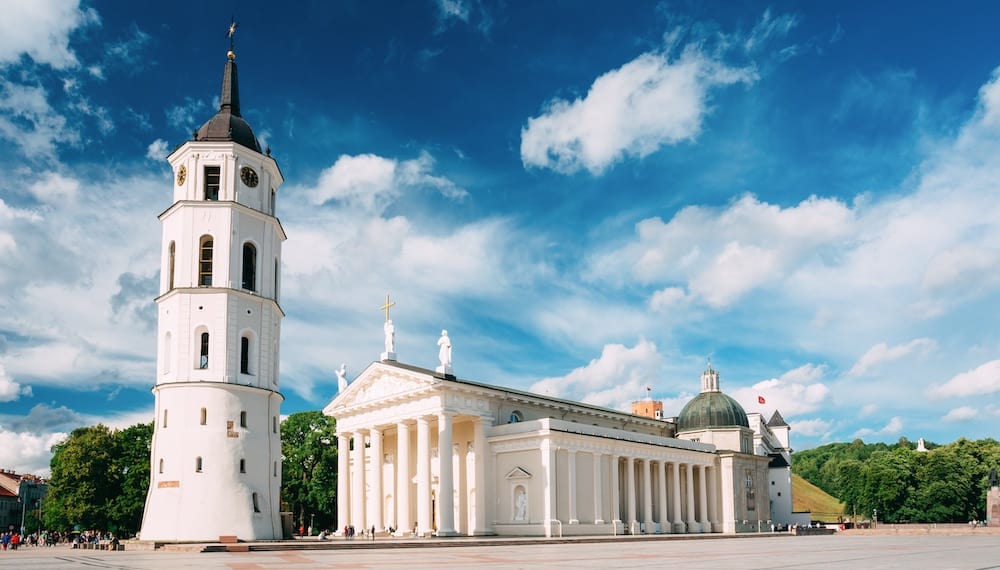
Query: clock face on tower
(181, 175)
(248, 176)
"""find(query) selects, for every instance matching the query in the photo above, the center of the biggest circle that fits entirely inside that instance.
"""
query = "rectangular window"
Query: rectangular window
(164, 418)
(204, 416)
(197, 464)
(243, 419)
(212, 179)
(243, 465)
(245, 355)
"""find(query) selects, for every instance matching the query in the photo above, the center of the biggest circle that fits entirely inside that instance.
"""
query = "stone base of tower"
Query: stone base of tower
(216, 464)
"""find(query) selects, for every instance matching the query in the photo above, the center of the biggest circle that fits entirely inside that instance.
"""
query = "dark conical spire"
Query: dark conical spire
(230, 98)
(227, 124)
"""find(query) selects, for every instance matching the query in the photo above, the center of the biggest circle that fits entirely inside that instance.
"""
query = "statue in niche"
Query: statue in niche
(444, 352)
(520, 504)
(342, 378)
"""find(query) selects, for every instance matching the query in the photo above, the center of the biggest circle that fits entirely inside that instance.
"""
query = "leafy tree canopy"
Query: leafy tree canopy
(947, 483)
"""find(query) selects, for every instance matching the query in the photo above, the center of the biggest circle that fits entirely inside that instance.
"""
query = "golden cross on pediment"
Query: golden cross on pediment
(387, 306)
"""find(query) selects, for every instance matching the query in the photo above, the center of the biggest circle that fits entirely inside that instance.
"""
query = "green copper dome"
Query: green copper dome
(711, 410)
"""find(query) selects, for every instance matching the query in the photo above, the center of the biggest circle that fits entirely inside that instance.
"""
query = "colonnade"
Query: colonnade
(658, 496)
(364, 486)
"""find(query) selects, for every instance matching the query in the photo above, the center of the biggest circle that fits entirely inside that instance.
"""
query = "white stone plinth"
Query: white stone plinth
(388, 356)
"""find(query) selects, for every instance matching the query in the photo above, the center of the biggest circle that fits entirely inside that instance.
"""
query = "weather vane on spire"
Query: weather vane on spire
(233, 24)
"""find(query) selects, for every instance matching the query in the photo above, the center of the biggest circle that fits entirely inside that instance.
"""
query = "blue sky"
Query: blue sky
(591, 197)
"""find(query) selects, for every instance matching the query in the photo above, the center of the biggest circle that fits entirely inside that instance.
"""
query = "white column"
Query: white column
(376, 502)
(675, 497)
(662, 488)
(571, 482)
(343, 480)
(479, 444)
(713, 503)
(598, 491)
(446, 476)
(630, 482)
(403, 524)
(358, 482)
(703, 500)
(647, 496)
(549, 489)
(423, 477)
(692, 525)
(615, 508)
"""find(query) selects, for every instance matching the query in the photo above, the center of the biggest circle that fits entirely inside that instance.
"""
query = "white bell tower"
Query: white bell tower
(216, 451)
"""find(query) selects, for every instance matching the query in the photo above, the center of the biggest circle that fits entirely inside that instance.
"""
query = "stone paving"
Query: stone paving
(855, 551)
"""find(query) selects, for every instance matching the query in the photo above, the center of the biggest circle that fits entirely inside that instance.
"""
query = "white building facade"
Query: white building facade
(427, 453)
(216, 449)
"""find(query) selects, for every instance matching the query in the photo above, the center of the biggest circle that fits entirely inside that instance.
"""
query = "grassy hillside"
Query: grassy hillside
(809, 497)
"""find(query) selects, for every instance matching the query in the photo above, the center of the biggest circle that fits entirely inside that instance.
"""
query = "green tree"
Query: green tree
(99, 479)
(131, 466)
(309, 468)
(83, 480)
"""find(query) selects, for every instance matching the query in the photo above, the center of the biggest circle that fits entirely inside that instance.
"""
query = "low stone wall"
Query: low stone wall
(930, 528)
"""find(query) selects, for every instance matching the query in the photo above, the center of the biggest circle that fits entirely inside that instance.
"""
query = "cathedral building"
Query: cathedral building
(425, 452)
(216, 449)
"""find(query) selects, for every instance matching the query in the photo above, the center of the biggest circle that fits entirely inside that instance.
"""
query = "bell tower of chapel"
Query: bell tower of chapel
(216, 450)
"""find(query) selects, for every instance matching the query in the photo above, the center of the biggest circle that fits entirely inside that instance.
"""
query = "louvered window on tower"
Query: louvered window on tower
(212, 177)
(205, 262)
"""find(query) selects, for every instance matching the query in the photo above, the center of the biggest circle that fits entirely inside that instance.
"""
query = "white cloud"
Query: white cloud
(811, 428)
(796, 392)
(960, 414)
(188, 116)
(894, 426)
(649, 102)
(984, 379)
(53, 188)
(66, 310)
(454, 9)
(28, 452)
(724, 254)
(618, 377)
(867, 410)
(882, 353)
(157, 150)
(9, 389)
(665, 299)
(770, 26)
(40, 29)
(372, 182)
(27, 120)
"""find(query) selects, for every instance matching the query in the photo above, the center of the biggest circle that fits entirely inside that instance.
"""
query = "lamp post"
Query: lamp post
(312, 517)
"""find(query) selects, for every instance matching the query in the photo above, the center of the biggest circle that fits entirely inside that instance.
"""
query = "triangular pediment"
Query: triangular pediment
(379, 383)
(518, 473)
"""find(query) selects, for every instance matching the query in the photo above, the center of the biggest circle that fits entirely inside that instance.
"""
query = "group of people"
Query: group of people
(350, 533)
(95, 539)
(10, 540)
